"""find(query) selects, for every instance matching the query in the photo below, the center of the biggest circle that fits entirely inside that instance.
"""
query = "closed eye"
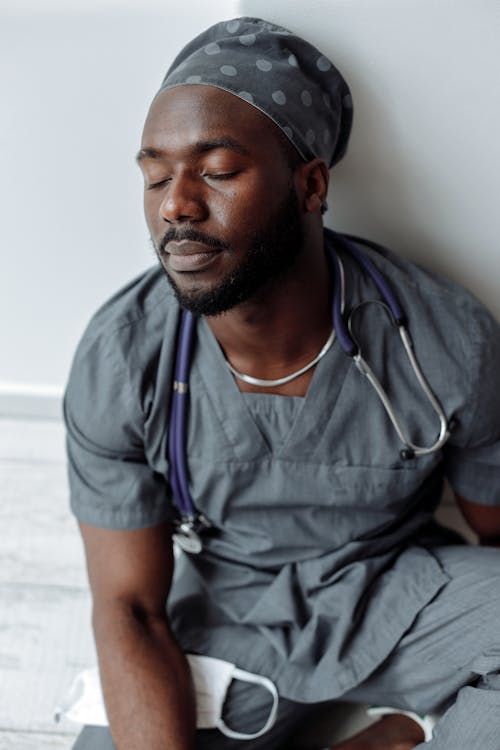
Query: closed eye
(220, 175)
(156, 185)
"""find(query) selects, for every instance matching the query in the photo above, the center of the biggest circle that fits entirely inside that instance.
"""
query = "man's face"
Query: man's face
(219, 197)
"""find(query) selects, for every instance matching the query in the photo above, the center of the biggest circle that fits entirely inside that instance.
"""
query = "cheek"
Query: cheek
(150, 209)
(151, 206)
(258, 198)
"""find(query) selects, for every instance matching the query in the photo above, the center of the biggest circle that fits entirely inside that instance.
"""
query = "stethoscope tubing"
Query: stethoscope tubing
(342, 325)
(178, 417)
(349, 242)
(177, 442)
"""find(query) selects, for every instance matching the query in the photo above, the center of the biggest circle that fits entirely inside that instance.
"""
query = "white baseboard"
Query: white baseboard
(29, 400)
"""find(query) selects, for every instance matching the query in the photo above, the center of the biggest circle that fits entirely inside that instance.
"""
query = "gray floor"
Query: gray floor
(45, 636)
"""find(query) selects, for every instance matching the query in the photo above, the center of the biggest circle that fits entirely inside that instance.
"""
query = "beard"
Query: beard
(272, 252)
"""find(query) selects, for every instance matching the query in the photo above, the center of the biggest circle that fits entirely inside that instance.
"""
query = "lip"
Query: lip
(190, 256)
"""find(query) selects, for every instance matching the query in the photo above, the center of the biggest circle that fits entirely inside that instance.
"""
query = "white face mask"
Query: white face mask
(212, 678)
(84, 703)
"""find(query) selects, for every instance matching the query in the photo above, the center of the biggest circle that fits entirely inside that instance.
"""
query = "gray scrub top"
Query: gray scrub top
(321, 553)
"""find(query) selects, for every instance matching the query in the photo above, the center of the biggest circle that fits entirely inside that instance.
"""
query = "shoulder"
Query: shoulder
(113, 367)
(145, 302)
(442, 312)
(115, 408)
(455, 338)
(434, 298)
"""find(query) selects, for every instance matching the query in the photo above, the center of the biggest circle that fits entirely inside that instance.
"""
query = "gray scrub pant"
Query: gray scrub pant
(447, 662)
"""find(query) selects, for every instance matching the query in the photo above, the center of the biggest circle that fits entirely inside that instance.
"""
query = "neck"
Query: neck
(282, 328)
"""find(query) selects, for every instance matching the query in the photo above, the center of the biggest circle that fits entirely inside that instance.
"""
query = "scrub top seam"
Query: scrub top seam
(275, 458)
(110, 327)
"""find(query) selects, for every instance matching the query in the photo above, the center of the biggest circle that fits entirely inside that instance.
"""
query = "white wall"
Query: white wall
(422, 174)
(76, 78)
(423, 170)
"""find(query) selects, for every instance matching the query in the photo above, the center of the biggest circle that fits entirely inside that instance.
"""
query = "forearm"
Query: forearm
(484, 520)
(146, 682)
(489, 541)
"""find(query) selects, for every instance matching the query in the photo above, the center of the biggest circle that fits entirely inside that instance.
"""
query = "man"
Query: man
(321, 567)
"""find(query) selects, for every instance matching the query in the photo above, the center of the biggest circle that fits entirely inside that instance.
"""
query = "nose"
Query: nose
(182, 201)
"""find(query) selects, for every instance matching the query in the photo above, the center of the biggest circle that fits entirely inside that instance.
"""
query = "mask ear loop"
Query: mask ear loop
(240, 674)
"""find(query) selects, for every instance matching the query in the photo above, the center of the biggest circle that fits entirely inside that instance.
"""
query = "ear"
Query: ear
(311, 183)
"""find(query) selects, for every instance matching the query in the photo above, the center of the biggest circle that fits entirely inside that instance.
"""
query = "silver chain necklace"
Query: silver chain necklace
(281, 381)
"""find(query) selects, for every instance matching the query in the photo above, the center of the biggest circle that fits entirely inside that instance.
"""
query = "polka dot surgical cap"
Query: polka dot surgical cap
(276, 71)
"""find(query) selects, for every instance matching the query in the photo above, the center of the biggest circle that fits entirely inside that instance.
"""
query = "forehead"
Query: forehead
(185, 115)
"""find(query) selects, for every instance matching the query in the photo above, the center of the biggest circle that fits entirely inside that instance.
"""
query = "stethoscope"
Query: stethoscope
(191, 522)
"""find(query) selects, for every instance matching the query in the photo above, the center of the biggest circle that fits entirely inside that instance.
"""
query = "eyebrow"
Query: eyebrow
(202, 147)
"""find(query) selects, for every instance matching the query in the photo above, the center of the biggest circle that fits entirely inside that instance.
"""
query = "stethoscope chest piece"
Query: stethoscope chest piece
(186, 534)
(188, 541)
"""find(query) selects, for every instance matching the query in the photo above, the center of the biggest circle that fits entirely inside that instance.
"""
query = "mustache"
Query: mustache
(191, 235)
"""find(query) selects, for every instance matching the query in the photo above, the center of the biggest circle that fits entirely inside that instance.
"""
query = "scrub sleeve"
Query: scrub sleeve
(117, 459)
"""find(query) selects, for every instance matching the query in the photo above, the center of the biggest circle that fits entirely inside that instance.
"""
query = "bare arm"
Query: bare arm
(484, 520)
(146, 680)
